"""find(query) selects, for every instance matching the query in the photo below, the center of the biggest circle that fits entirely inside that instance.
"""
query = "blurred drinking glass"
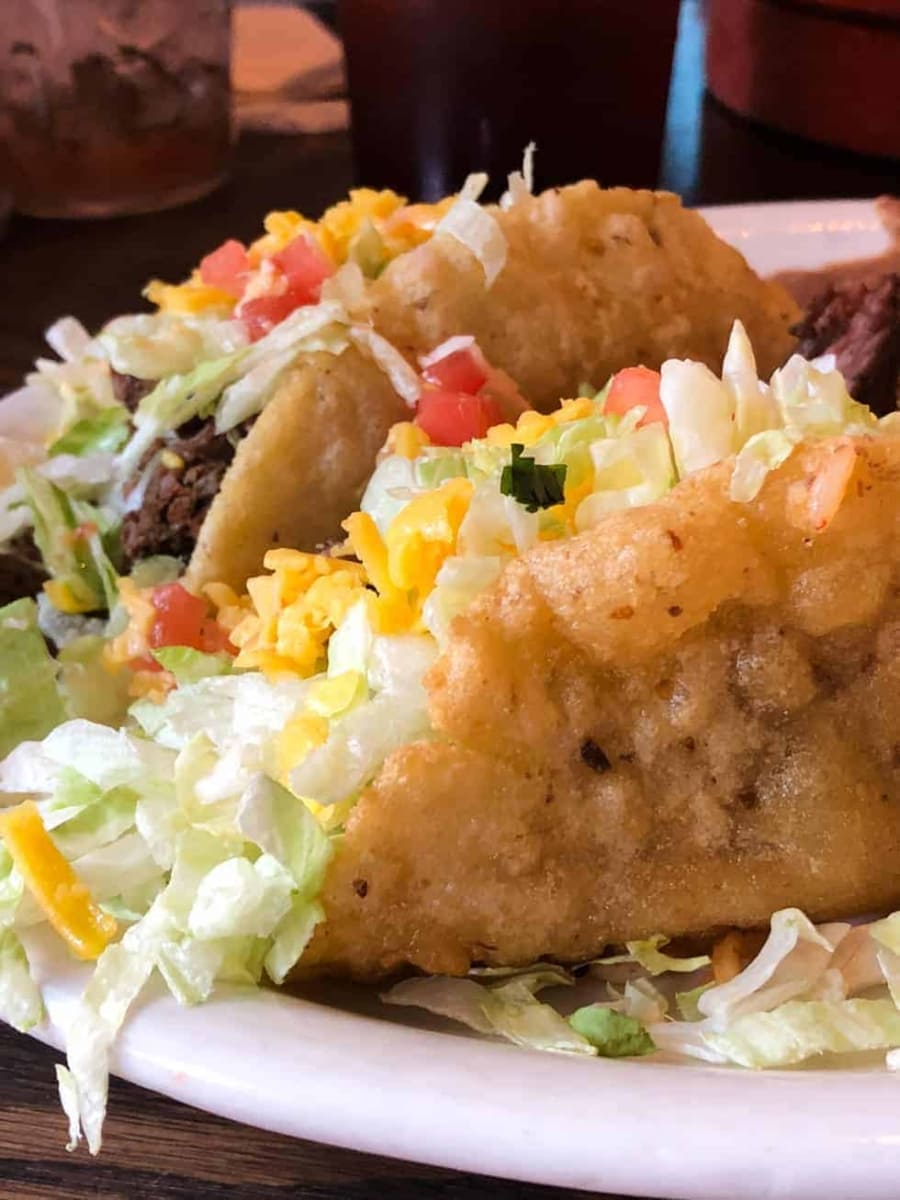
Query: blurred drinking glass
(439, 88)
(113, 106)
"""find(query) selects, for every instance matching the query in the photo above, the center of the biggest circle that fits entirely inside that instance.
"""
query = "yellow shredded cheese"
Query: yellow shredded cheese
(62, 896)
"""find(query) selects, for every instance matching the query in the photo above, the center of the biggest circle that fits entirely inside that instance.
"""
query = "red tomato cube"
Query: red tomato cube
(636, 386)
(226, 268)
(452, 418)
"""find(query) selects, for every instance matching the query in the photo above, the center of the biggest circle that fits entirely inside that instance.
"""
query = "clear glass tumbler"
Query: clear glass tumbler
(113, 106)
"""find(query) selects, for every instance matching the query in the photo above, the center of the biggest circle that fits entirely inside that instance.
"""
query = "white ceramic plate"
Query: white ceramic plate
(800, 234)
(344, 1070)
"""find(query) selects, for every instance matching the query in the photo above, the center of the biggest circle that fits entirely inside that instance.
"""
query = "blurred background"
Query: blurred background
(125, 106)
(182, 123)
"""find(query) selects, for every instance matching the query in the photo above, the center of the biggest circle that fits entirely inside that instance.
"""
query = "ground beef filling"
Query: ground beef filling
(185, 478)
(859, 323)
(129, 390)
(21, 570)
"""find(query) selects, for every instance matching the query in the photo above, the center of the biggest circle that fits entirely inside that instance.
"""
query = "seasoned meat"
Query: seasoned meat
(129, 390)
(682, 720)
(186, 476)
(21, 570)
(859, 323)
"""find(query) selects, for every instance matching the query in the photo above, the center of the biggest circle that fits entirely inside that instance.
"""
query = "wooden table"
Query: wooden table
(154, 1147)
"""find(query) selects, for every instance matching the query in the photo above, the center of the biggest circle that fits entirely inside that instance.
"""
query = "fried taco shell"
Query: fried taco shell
(595, 280)
(302, 467)
(684, 719)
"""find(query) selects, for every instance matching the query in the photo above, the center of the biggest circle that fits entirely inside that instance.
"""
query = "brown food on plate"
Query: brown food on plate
(177, 496)
(677, 722)
(21, 569)
(595, 280)
(859, 323)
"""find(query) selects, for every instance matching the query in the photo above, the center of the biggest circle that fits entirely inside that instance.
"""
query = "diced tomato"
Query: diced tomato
(145, 663)
(226, 268)
(452, 418)
(180, 617)
(305, 267)
(184, 620)
(214, 639)
(636, 386)
(262, 313)
(459, 371)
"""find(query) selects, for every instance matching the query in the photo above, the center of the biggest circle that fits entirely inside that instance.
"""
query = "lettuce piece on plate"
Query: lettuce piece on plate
(802, 1029)
(613, 1034)
(649, 955)
(20, 999)
(792, 960)
(508, 1009)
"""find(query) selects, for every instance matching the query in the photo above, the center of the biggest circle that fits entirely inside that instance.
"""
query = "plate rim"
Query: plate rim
(536, 1121)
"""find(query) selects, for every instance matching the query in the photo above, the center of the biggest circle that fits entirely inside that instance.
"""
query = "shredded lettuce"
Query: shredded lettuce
(68, 338)
(795, 955)
(755, 409)
(629, 471)
(20, 999)
(648, 954)
(69, 534)
(508, 1009)
(520, 184)
(762, 453)
(30, 701)
(106, 432)
(700, 409)
(157, 345)
(476, 229)
(189, 665)
(210, 891)
(177, 399)
(799, 1030)
(405, 382)
(313, 327)
(243, 708)
(390, 488)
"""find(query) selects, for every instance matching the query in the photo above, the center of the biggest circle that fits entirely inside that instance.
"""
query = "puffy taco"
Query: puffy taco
(613, 674)
(247, 412)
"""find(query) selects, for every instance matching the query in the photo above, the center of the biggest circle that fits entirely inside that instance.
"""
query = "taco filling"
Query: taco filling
(246, 412)
(598, 679)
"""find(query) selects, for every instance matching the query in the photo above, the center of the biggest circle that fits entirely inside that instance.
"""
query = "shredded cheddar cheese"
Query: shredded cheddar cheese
(52, 881)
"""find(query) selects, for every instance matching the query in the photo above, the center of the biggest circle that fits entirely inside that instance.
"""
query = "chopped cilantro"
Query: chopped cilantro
(532, 484)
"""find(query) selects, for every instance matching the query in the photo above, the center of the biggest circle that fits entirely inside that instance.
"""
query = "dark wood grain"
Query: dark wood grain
(154, 1147)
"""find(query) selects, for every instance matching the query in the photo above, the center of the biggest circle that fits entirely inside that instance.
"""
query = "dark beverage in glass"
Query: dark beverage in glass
(439, 88)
